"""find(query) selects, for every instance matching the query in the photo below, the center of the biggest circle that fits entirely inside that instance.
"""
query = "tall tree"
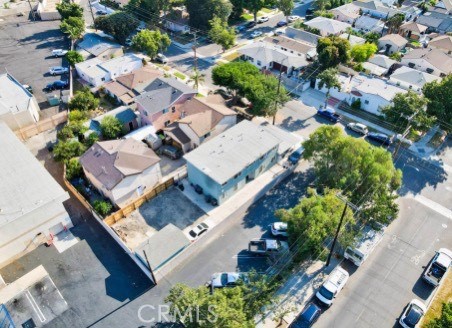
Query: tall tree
(332, 51)
(362, 52)
(440, 103)
(328, 79)
(84, 100)
(393, 23)
(364, 173)
(65, 150)
(409, 109)
(237, 9)
(120, 25)
(197, 78)
(286, 6)
(254, 6)
(74, 27)
(221, 34)
(111, 127)
(202, 11)
(372, 37)
(233, 75)
(151, 42)
(73, 57)
(68, 9)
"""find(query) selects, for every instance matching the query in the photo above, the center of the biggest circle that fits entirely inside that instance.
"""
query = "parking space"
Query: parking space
(25, 52)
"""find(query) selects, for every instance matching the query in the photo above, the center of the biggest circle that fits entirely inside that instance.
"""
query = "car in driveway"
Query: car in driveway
(57, 85)
(59, 52)
(358, 128)
(227, 279)
(255, 34)
(413, 314)
(279, 229)
(307, 317)
(171, 152)
(262, 19)
(295, 157)
(161, 58)
(281, 23)
(58, 70)
(380, 138)
(199, 230)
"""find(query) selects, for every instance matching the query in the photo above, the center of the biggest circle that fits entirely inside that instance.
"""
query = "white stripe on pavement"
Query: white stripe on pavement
(434, 206)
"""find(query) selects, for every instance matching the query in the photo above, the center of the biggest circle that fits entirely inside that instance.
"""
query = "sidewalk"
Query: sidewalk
(298, 291)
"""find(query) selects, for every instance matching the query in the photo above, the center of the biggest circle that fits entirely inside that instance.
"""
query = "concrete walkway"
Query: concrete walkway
(298, 290)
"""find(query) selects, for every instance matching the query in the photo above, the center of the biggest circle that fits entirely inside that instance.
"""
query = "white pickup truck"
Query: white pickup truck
(332, 286)
(438, 267)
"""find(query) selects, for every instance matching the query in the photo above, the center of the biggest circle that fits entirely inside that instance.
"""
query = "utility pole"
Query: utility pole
(195, 58)
(92, 15)
(278, 89)
(32, 11)
(405, 133)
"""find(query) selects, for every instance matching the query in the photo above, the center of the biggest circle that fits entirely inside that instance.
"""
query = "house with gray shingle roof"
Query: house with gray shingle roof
(93, 45)
(430, 60)
(411, 79)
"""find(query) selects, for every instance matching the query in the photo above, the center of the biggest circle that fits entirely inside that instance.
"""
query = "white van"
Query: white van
(332, 286)
(364, 246)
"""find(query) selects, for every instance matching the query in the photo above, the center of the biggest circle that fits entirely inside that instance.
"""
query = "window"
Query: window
(165, 111)
(145, 113)
(366, 102)
(237, 175)
(167, 123)
(207, 135)
(259, 63)
(173, 110)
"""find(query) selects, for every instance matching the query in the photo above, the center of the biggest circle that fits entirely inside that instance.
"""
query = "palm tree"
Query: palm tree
(197, 78)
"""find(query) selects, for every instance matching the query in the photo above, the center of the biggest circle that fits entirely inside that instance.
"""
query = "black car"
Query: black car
(57, 85)
(380, 138)
(281, 23)
(306, 318)
(250, 24)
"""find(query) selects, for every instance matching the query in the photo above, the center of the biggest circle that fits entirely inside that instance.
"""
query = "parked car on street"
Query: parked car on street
(197, 231)
(279, 31)
(329, 114)
(380, 138)
(358, 128)
(293, 18)
(57, 85)
(279, 229)
(332, 286)
(171, 152)
(58, 70)
(250, 24)
(266, 246)
(412, 314)
(101, 13)
(295, 157)
(364, 246)
(255, 34)
(227, 279)
(161, 58)
(262, 19)
(307, 317)
(402, 139)
(59, 52)
(281, 23)
(240, 29)
(438, 267)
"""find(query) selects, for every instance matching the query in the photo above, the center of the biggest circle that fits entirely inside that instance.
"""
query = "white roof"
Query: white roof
(229, 153)
(327, 25)
(353, 39)
(91, 67)
(369, 239)
(267, 53)
(375, 69)
(382, 60)
(113, 64)
(413, 76)
(25, 185)
(368, 23)
(376, 87)
(349, 9)
(14, 97)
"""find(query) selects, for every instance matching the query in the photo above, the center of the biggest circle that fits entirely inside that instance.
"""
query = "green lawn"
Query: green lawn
(246, 16)
(267, 10)
(179, 75)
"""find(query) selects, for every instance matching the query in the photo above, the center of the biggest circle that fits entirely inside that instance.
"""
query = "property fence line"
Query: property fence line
(41, 126)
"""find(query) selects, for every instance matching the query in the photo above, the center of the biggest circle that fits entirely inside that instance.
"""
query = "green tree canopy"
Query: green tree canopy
(332, 51)
(313, 220)
(237, 9)
(120, 25)
(73, 57)
(233, 75)
(74, 27)
(445, 320)
(286, 6)
(439, 95)
(328, 79)
(73, 169)
(372, 37)
(203, 11)
(221, 34)
(364, 173)
(362, 52)
(393, 23)
(151, 42)
(254, 6)
(409, 107)
(110, 127)
(197, 78)
(84, 100)
(69, 9)
(65, 150)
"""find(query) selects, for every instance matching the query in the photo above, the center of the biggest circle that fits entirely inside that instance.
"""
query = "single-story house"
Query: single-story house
(392, 43)
(347, 13)
(200, 120)
(226, 163)
(375, 8)
(18, 107)
(367, 24)
(46, 10)
(442, 42)
(97, 72)
(412, 30)
(411, 79)
(437, 20)
(379, 65)
(430, 60)
(32, 208)
(160, 101)
(328, 26)
(292, 46)
(121, 170)
(267, 56)
(126, 87)
(302, 36)
(352, 39)
(124, 114)
(94, 45)
(177, 20)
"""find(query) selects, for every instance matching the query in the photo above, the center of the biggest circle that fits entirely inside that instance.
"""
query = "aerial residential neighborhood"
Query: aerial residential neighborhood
(225, 163)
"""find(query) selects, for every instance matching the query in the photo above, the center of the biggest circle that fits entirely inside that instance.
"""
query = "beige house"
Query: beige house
(412, 30)
(392, 43)
(18, 107)
(347, 13)
(442, 42)
(430, 60)
(121, 170)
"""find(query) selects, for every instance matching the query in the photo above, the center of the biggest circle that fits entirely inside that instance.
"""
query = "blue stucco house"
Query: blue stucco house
(237, 156)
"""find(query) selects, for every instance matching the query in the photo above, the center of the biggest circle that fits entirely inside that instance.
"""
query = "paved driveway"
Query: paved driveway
(25, 51)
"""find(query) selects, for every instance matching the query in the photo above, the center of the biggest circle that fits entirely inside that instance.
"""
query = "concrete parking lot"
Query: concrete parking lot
(25, 52)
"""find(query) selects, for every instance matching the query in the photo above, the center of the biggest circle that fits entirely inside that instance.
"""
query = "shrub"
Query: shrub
(102, 207)
(84, 100)
(91, 140)
(77, 116)
(73, 169)
(110, 127)
(65, 150)
(356, 104)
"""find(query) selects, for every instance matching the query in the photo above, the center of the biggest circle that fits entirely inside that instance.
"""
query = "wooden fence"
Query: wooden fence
(41, 126)
(126, 210)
